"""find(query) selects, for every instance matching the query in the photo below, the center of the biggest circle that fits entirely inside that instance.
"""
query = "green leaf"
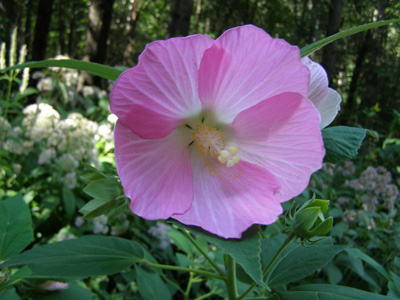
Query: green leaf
(94, 68)
(151, 286)
(105, 189)
(96, 207)
(9, 294)
(73, 292)
(68, 201)
(326, 292)
(181, 241)
(296, 261)
(15, 226)
(307, 50)
(358, 254)
(246, 251)
(342, 142)
(79, 258)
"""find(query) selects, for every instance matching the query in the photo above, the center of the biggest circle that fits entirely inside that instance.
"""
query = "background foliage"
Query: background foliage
(58, 172)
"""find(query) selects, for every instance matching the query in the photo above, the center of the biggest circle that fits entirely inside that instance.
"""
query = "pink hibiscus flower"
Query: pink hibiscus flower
(217, 133)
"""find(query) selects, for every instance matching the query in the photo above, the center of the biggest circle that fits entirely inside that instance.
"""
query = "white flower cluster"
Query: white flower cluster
(375, 182)
(100, 225)
(65, 142)
(160, 232)
(40, 121)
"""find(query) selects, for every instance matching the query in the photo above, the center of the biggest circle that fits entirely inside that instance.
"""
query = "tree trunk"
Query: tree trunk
(100, 14)
(329, 51)
(179, 18)
(61, 27)
(362, 52)
(42, 28)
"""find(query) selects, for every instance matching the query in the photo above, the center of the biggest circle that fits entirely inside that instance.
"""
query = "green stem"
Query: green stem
(204, 296)
(192, 240)
(231, 277)
(175, 268)
(189, 286)
(287, 241)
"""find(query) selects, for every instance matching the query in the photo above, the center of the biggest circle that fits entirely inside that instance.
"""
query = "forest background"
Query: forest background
(365, 68)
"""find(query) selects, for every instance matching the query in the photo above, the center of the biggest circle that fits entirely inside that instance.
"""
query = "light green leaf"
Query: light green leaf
(181, 241)
(96, 207)
(326, 292)
(342, 142)
(15, 226)
(94, 68)
(307, 50)
(296, 261)
(79, 258)
(151, 286)
(246, 251)
(105, 189)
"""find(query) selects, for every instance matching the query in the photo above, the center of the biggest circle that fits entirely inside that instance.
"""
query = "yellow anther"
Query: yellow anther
(233, 149)
(224, 153)
(230, 163)
(236, 159)
(221, 159)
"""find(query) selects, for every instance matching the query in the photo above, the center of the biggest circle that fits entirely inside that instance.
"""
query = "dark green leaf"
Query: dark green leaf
(79, 258)
(73, 292)
(296, 261)
(305, 51)
(68, 201)
(9, 294)
(358, 254)
(151, 286)
(326, 292)
(15, 226)
(96, 69)
(342, 142)
(246, 251)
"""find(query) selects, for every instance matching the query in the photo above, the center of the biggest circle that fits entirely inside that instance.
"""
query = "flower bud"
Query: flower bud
(309, 220)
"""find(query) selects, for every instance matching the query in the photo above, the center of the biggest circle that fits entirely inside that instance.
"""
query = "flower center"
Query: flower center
(211, 142)
(208, 140)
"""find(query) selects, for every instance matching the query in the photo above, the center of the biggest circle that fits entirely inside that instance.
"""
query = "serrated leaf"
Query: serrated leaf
(246, 251)
(94, 68)
(15, 226)
(79, 258)
(326, 292)
(307, 50)
(342, 142)
(296, 261)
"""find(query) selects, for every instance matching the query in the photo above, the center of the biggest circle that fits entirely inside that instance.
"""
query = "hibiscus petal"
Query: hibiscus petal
(156, 173)
(282, 135)
(154, 97)
(318, 91)
(246, 66)
(330, 108)
(227, 201)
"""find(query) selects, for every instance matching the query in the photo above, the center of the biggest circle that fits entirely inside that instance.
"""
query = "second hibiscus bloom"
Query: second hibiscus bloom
(217, 133)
